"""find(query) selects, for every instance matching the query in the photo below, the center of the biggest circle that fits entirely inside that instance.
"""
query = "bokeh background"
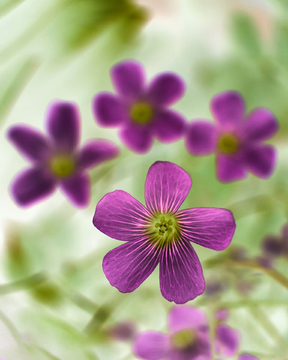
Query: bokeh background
(55, 302)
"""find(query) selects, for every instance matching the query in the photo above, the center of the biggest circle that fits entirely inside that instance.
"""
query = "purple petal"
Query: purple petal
(63, 125)
(137, 138)
(109, 110)
(151, 345)
(121, 216)
(201, 137)
(199, 350)
(128, 265)
(128, 78)
(247, 357)
(186, 317)
(165, 89)
(169, 126)
(181, 277)
(166, 187)
(222, 314)
(31, 143)
(96, 151)
(32, 185)
(209, 227)
(77, 189)
(227, 340)
(261, 160)
(261, 125)
(230, 168)
(228, 108)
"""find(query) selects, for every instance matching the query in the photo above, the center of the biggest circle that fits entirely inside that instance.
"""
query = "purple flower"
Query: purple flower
(236, 139)
(141, 110)
(55, 158)
(188, 338)
(160, 234)
(247, 357)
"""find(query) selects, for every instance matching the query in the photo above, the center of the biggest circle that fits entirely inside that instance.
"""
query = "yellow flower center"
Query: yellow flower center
(62, 166)
(183, 339)
(228, 144)
(163, 229)
(141, 112)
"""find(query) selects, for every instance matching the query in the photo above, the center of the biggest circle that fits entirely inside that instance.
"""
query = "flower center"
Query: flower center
(141, 112)
(183, 339)
(163, 229)
(228, 144)
(62, 166)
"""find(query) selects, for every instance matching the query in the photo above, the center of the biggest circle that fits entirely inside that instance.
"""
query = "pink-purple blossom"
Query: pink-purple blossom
(56, 159)
(160, 234)
(141, 110)
(236, 139)
(188, 338)
(247, 357)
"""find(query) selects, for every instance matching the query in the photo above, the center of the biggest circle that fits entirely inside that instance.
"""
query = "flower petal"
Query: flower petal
(181, 277)
(32, 185)
(261, 125)
(151, 345)
(31, 143)
(261, 160)
(94, 152)
(109, 110)
(209, 227)
(199, 350)
(247, 357)
(227, 340)
(137, 138)
(169, 126)
(165, 89)
(121, 216)
(128, 78)
(63, 125)
(230, 168)
(166, 187)
(77, 189)
(228, 108)
(201, 137)
(129, 264)
(186, 317)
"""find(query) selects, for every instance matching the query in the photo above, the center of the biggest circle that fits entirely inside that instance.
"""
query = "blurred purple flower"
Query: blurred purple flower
(141, 110)
(123, 331)
(237, 140)
(160, 234)
(56, 159)
(188, 338)
(247, 357)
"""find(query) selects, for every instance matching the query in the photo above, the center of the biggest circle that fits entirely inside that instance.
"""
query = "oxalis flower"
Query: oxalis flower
(161, 234)
(236, 139)
(188, 338)
(56, 160)
(141, 110)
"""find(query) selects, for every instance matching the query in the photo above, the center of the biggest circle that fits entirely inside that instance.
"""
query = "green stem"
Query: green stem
(23, 284)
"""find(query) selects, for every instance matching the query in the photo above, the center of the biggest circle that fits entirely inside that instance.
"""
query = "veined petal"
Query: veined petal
(166, 187)
(181, 277)
(201, 137)
(227, 340)
(129, 264)
(209, 227)
(32, 185)
(230, 168)
(121, 216)
(63, 125)
(165, 89)
(261, 125)
(109, 110)
(151, 345)
(128, 78)
(77, 189)
(261, 160)
(137, 138)
(31, 143)
(228, 108)
(169, 126)
(96, 151)
(186, 317)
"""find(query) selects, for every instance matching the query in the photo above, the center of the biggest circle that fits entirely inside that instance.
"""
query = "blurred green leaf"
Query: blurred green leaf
(6, 6)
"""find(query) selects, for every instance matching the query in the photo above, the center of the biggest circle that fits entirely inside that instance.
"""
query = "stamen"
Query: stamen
(62, 166)
(141, 112)
(228, 143)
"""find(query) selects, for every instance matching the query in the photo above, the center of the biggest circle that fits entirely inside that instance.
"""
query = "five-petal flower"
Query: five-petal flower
(141, 111)
(237, 140)
(161, 234)
(56, 159)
